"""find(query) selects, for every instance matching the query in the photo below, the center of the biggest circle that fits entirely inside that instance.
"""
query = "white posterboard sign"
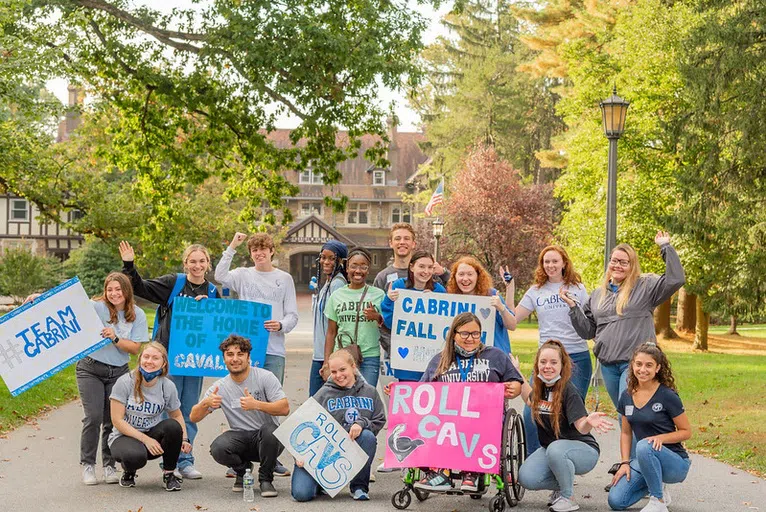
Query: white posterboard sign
(41, 338)
(312, 435)
(422, 320)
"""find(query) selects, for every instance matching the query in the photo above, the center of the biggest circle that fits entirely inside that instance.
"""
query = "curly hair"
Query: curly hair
(234, 340)
(483, 280)
(664, 374)
(571, 277)
(539, 387)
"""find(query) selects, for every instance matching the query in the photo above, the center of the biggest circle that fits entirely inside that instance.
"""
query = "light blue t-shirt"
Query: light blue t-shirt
(137, 331)
(553, 314)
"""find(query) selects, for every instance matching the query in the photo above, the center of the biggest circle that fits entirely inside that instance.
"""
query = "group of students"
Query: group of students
(146, 414)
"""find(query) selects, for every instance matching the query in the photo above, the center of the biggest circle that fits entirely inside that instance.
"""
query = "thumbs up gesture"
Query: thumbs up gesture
(214, 399)
(247, 402)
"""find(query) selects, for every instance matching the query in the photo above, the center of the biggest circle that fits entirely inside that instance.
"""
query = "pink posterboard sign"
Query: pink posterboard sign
(445, 425)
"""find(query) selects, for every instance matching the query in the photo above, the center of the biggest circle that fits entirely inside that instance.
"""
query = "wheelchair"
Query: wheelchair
(509, 490)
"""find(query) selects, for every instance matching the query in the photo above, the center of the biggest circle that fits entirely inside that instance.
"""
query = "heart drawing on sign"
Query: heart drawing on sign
(485, 312)
(403, 351)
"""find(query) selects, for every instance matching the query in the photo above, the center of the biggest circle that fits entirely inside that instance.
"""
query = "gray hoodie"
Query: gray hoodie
(358, 404)
(617, 336)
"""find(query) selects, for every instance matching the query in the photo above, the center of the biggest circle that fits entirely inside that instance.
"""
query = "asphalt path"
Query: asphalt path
(39, 471)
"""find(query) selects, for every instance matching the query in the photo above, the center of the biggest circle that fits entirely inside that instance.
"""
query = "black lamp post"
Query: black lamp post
(613, 110)
(438, 227)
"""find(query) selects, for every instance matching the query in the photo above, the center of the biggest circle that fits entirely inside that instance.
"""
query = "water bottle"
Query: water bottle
(247, 483)
(313, 283)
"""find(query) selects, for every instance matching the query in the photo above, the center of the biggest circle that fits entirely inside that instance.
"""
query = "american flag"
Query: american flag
(436, 198)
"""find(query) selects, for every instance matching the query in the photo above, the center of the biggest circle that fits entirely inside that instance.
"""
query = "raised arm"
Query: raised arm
(583, 321)
(222, 273)
(154, 290)
(674, 277)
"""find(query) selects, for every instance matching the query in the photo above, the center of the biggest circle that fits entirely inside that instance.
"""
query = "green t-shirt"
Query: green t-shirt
(341, 307)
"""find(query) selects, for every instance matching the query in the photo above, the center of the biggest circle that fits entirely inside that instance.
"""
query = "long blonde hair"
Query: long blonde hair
(138, 393)
(448, 352)
(634, 272)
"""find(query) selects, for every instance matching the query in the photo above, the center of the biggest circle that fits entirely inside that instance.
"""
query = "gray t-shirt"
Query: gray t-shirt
(260, 383)
(142, 416)
(553, 314)
(136, 330)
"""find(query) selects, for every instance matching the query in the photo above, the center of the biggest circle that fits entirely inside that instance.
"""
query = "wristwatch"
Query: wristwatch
(116, 339)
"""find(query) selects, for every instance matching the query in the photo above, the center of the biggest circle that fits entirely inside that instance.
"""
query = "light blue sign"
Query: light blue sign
(199, 326)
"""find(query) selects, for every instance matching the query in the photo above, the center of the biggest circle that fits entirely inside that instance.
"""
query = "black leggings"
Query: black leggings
(133, 454)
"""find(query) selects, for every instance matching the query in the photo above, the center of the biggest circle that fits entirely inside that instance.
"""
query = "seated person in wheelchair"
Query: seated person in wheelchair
(567, 446)
(466, 359)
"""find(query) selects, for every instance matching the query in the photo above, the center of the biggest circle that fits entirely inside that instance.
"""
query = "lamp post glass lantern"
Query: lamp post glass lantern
(613, 111)
(438, 228)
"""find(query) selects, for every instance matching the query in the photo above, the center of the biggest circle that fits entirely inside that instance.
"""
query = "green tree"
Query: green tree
(23, 273)
(92, 263)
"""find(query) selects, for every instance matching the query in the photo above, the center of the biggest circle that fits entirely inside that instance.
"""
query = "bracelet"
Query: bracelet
(186, 440)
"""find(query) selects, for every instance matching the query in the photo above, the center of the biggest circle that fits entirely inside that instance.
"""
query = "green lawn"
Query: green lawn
(754, 330)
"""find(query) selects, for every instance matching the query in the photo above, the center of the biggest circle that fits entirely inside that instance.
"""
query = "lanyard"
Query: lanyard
(465, 371)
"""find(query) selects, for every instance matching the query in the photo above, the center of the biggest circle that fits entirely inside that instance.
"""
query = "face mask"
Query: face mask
(465, 353)
(551, 382)
(150, 376)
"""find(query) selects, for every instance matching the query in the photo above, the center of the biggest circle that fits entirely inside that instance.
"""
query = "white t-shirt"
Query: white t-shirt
(553, 314)
(158, 399)
(262, 385)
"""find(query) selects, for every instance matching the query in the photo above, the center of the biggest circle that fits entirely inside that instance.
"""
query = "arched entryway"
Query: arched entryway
(303, 267)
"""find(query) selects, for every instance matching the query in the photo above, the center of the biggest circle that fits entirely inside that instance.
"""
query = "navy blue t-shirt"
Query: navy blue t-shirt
(491, 365)
(654, 418)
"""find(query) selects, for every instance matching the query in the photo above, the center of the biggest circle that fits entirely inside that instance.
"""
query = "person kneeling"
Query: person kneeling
(138, 400)
(567, 448)
(251, 399)
(362, 418)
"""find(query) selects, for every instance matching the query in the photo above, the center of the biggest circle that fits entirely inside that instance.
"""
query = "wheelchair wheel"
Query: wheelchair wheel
(514, 453)
(420, 494)
(401, 499)
(497, 504)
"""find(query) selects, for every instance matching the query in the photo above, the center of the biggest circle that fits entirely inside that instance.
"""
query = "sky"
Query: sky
(409, 120)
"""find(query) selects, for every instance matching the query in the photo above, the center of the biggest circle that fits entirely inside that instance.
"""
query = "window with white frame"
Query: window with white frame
(311, 208)
(358, 214)
(309, 177)
(401, 213)
(19, 210)
(378, 178)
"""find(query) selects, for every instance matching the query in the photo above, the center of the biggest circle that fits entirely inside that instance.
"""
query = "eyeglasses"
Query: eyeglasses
(464, 335)
(363, 268)
(327, 258)
(622, 263)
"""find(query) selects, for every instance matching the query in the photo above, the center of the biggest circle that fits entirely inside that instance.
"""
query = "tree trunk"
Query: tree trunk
(700, 333)
(733, 326)
(662, 321)
(686, 315)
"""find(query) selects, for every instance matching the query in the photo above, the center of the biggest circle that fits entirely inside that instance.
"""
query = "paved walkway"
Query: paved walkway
(39, 472)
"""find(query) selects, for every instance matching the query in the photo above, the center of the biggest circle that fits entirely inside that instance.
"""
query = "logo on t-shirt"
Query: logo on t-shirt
(657, 407)
(352, 414)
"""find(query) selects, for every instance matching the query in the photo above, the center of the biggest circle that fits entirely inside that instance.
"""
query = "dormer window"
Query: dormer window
(309, 177)
(378, 178)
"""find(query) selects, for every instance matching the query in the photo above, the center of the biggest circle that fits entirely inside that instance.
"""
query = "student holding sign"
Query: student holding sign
(567, 446)
(420, 277)
(554, 270)
(466, 359)
(354, 404)
(138, 402)
(332, 264)
(251, 399)
(469, 278)
(354, 318)
(162, 291)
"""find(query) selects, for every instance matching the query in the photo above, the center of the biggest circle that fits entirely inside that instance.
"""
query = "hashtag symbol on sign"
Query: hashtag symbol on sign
(10, 352)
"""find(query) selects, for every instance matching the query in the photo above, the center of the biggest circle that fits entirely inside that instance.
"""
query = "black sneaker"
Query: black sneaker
(128, 479)
(238, 484)
(171, 481)
(268, 490)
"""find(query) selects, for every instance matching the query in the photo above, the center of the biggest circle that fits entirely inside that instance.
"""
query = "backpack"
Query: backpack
(164, 309)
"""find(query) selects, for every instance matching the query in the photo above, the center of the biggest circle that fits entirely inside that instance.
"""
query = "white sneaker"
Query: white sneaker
(110, 475)
(563, 504)
(383, 469)
(555, 495)
(655, 505)
(89, 475)
(189, 472)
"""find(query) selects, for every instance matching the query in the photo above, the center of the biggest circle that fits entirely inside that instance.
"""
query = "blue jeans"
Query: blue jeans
(648, 471)
(304, 488)
(315, 380)
(370, 369)
(554, 468)
(276, 365)
(582, 370)
(189, 389)
(616, 383)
